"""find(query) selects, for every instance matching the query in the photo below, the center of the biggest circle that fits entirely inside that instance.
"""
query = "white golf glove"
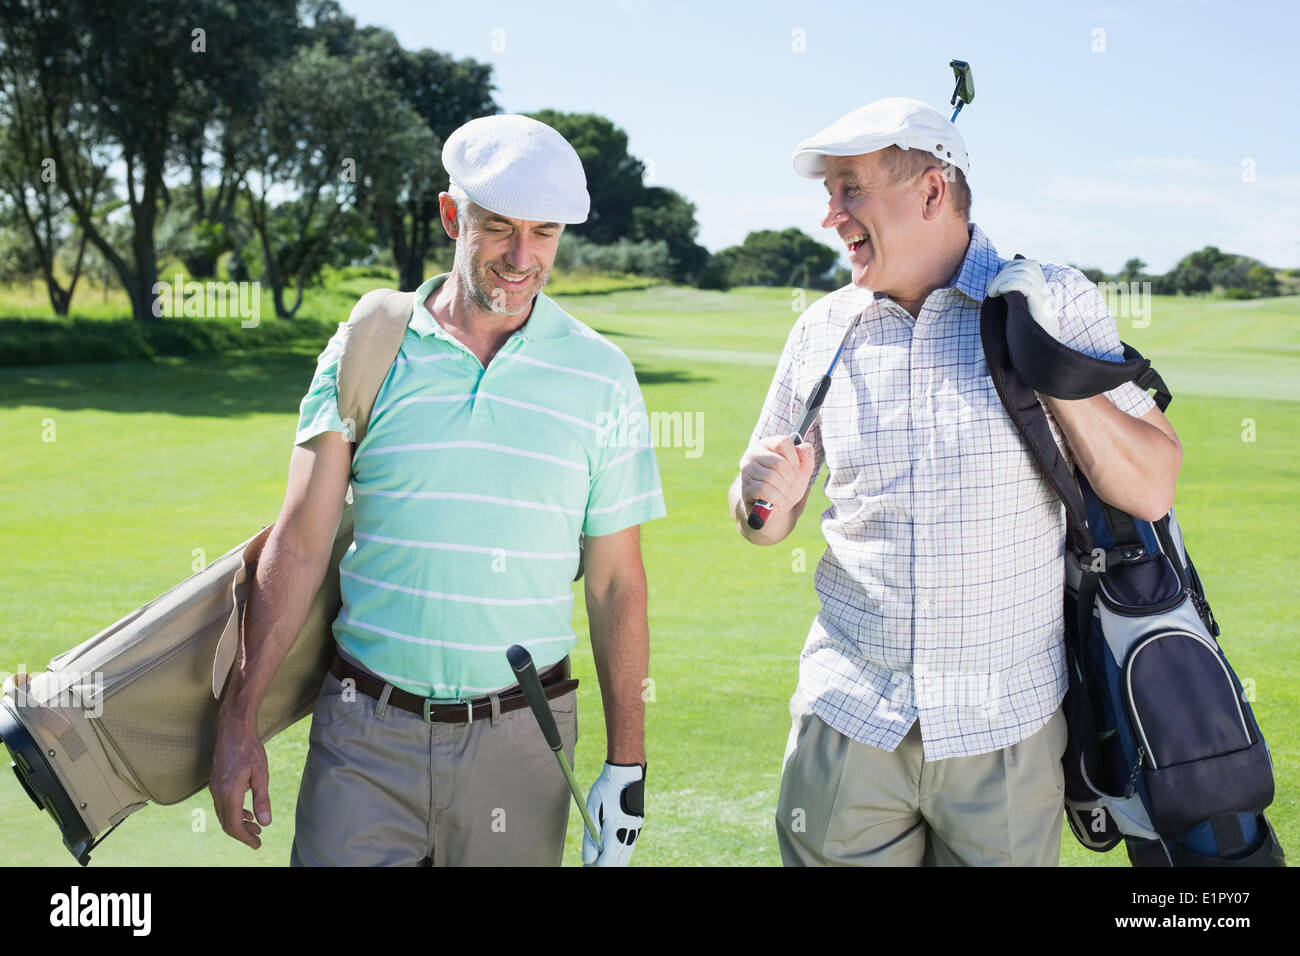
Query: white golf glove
(1026, 277)
(617, 804)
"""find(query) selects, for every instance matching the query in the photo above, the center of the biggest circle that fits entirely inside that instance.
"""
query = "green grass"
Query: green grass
(155, 459)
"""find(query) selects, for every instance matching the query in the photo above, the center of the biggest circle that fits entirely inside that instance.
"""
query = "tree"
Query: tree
(215, 130)
(445, 93)
(28, 179)
(665, 215)
(614, 177)
(1132, 270)
(787, 257)
(330, 136)
(18, 259)
(1262, 281)
(1095, 276)
(122, 77)
(1203, 270)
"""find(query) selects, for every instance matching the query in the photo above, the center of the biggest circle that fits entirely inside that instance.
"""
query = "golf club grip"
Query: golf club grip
(762, 510)
(521, 662)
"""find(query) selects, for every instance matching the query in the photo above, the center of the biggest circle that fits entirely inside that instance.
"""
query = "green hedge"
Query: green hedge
(50, 341)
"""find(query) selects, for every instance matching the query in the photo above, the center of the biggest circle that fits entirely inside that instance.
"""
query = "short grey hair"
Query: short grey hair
(905, 165)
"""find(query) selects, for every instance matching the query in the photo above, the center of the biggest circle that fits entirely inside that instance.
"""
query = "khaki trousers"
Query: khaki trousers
(382, 787)
(847, 803)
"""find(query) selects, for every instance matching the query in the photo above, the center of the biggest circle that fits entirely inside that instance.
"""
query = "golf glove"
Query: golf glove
(617, 804)
(1026, 277)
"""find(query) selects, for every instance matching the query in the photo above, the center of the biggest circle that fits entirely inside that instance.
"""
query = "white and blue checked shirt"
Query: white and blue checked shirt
(942, 583)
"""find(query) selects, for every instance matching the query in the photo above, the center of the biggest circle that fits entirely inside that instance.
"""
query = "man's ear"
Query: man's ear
(447, 211)
(934, 189)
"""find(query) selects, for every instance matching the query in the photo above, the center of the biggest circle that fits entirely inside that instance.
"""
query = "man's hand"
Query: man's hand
(617, 804)
(1026, 277)
(239, 765)
(777, 471)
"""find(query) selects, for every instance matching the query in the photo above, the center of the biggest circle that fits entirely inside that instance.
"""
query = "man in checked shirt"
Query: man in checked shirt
(927, 722)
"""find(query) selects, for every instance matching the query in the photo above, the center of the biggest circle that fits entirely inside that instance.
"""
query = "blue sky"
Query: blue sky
(1175, 133)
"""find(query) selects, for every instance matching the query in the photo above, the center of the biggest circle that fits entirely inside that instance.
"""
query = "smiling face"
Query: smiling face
(502, 263)
(886, 226)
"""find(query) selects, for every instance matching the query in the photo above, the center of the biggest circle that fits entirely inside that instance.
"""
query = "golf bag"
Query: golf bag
(1164, 751)
(130, 716)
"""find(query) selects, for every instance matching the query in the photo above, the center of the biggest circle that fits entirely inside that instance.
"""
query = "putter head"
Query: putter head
(965, 90)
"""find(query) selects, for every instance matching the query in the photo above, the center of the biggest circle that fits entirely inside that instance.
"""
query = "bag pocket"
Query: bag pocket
(1201, 755)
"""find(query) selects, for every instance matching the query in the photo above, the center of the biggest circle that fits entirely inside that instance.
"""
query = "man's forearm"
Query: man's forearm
(1129, 462)
(620, 644)
(279, 598)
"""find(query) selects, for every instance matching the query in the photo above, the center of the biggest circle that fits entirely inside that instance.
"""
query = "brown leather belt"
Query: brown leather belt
(555, 683)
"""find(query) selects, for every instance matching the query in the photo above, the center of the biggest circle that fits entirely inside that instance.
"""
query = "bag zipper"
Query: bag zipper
(1184, 573)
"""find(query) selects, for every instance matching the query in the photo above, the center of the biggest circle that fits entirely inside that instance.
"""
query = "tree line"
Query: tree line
(280, 133)
(1236, 276)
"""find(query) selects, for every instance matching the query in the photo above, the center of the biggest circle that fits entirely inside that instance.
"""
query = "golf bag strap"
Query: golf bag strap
(372, 338)
(1085, 598)
(1021, 403)
(1150, 379)
(1122, 527)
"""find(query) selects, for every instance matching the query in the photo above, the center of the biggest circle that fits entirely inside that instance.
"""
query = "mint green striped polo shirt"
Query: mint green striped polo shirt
(470, 489)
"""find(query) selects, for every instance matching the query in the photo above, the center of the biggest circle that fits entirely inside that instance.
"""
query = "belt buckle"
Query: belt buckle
(469, 709)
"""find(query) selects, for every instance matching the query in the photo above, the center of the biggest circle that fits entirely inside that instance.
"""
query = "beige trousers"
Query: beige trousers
(847, 803)
(384, 788)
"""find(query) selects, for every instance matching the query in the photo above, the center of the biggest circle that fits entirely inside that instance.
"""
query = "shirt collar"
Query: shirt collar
(981, 261)
(978, 265)
(546, 323)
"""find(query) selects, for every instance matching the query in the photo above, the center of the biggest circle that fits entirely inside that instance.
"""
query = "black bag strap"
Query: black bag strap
(1149, 379)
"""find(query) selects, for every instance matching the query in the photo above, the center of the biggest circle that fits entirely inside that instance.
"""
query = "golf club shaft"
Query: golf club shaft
(521, 662)
(762, 509)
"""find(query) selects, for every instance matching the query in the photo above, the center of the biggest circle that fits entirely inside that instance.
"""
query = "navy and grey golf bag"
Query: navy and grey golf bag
(1164, 751)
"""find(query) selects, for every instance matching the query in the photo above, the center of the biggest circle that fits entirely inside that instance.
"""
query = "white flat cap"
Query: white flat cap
(517, 167)
(896, 121)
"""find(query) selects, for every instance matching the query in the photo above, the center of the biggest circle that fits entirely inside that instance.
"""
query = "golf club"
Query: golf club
(521, 662)
(762, 509)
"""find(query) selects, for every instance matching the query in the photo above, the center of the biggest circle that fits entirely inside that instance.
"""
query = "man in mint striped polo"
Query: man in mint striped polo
(495, 449)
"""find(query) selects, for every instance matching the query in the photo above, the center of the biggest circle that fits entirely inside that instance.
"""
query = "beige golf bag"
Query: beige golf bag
(130, 716)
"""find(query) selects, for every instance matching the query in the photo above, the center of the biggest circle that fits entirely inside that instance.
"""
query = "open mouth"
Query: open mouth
(512, 279)
(857, 242)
